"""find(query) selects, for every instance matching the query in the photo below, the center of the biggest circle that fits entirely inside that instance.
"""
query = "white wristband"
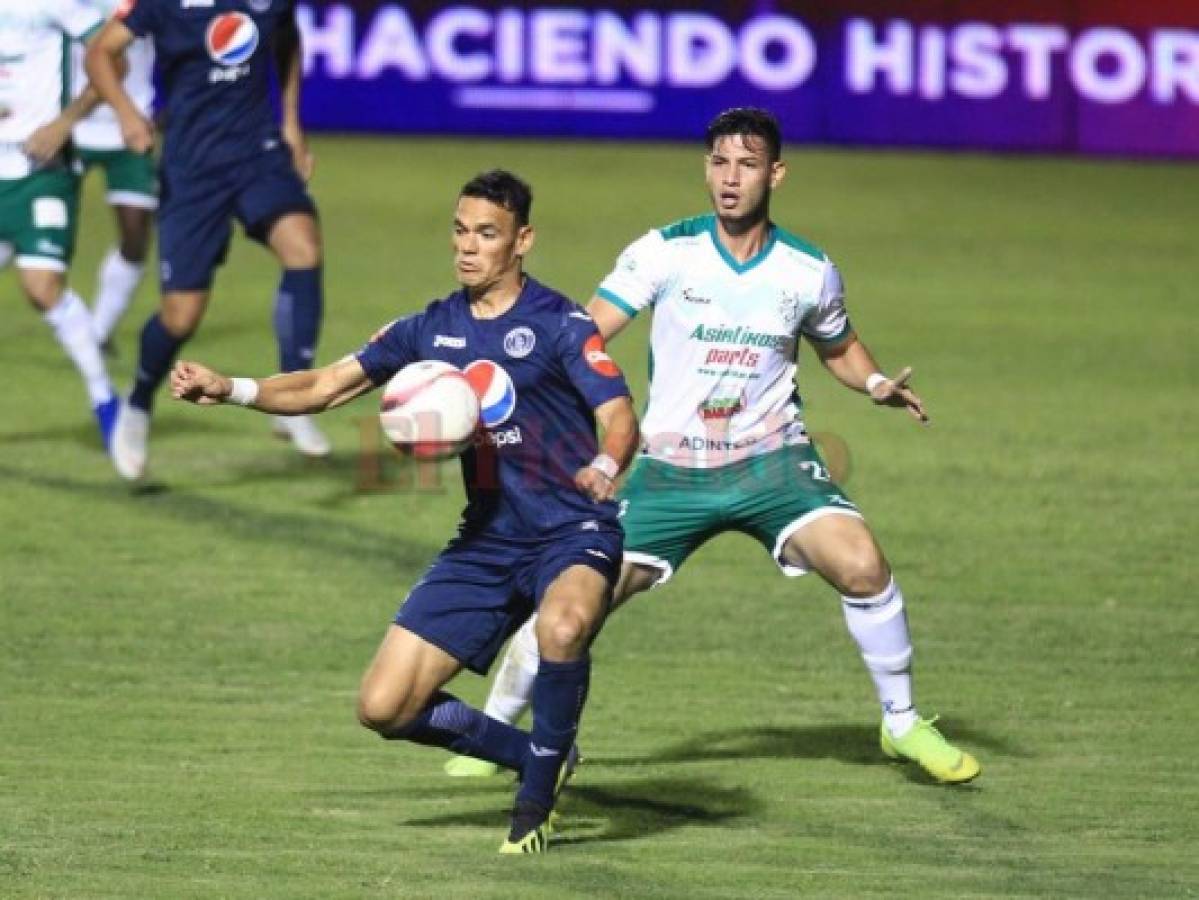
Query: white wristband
(873, 380)
(606, 464)
(244, 391)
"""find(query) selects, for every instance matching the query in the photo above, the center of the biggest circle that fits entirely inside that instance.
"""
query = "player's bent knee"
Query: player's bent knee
(181, 313)
(180, 327)
(43, 287)
(303, 256)
(863, 574)
(564, 634)
(296, 242)
(382, 711)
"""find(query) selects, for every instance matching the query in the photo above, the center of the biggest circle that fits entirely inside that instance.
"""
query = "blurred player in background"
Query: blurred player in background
(224, 157)
(540, 527)
(39, 194)
(726, 448)
(130, 181)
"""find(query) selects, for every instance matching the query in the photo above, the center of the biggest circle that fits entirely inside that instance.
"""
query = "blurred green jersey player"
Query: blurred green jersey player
(130, 182)
(38, 191)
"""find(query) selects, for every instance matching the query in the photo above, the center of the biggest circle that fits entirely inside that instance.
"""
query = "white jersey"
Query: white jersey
(724, 338)
(34, 54)
(101, 130)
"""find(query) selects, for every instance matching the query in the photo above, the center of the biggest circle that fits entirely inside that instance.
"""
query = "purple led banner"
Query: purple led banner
(1064, 76)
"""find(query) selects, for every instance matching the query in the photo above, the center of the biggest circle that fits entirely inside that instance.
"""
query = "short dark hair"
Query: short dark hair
(747, 120)
(503, 189)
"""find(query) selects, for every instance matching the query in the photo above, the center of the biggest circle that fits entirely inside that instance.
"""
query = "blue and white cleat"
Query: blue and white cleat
(106, 418)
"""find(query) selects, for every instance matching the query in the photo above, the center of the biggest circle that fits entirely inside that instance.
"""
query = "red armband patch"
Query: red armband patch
(597, 357)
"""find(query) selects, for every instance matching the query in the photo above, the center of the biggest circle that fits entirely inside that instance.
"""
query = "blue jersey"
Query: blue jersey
(540, 370)
(215, 58)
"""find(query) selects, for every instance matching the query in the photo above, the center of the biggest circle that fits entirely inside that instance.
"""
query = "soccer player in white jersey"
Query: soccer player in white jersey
(724, 443)
(38, 191)
(131, 185)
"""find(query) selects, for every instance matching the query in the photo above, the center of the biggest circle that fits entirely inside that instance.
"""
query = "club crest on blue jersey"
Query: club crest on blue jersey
(231, 38)
(496, 392)
(519, 342)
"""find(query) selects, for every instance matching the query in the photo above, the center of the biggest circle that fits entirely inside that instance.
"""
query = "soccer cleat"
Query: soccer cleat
(469, 767)
(106, 418)
(304, 434)
(531, 825)
(129, 440)
(530, 831)
(924, 745)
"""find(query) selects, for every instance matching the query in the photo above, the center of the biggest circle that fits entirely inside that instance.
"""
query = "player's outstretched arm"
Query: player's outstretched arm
(852, 364)
(106, 67)
(295, 393)
(618, 424)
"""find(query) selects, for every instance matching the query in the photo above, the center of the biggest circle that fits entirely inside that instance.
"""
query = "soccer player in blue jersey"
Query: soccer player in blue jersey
(540, 527)
(224, 157)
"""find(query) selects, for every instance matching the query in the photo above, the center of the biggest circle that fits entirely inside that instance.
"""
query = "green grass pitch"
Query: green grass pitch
(178, 667)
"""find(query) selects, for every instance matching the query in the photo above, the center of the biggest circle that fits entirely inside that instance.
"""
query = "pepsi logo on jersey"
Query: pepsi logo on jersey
(496, 392)
(231, 38)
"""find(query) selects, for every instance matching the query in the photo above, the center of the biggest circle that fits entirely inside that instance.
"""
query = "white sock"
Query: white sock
(73, 327)
(880, 626)
(118, 279)
(513, 687)
(6, 254)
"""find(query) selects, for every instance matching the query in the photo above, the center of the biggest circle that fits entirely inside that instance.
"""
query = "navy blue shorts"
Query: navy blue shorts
(196, 212)
(480, 589)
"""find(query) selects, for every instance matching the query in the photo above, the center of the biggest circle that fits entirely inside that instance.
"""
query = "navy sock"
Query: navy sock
(298, 307)
(157, 353)
(559, 693)
(449, 723)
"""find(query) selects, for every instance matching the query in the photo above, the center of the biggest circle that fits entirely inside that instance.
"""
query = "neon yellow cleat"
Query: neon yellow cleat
(535, 840)
(924, 745)
(469, 767)
(531, 825)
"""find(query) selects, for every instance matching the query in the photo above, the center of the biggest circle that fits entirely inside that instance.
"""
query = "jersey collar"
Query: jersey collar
(742, 267)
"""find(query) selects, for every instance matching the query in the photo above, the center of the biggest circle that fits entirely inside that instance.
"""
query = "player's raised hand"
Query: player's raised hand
(595, 484)
(138, 132)
(46, 142)
(301, 156)
(195, 383)
(895, 392)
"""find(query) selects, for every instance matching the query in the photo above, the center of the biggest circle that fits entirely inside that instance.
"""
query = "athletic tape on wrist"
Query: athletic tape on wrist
(606, 464)
(873, 380)
(243, 392)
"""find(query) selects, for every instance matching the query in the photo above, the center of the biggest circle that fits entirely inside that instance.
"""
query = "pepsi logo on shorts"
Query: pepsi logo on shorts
(496, 392)
(231, 38)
